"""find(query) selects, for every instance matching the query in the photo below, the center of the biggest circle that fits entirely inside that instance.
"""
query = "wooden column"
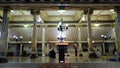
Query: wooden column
(117, 27)
(88, 13)
(79, 39)
(43, 41)
(4, 30)
(34, 12)
(47, 48)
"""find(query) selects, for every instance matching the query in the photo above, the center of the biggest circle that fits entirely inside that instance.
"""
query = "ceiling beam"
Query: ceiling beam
(50, 5)
(96, 41)
(99, 12)
(82, 14)
(55, 24)
(22, 12)
(44, 15)
(112, 14)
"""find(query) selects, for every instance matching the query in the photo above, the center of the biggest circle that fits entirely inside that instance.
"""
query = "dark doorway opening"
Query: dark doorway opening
(85, 47)
(18, 50)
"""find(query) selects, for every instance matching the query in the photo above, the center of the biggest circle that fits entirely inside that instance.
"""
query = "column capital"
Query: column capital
(117, 9)
(88, 10)
(6, 9)
(35, 11)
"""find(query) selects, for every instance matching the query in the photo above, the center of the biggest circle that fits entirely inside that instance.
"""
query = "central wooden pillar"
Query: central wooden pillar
(117, 27)
(34, 12)
(88, 13)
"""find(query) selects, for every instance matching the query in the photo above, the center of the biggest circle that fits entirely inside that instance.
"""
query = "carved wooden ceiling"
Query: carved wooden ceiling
(20, 15)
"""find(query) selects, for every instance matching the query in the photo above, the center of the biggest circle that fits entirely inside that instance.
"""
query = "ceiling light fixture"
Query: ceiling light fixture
(112, 10)
(93, 41)
(29, 41)
(61, 11)
(83, 18)
(96, 25)
(105, 37)
(17, 38)
(39, 19)
(25, 25)
(11, 10)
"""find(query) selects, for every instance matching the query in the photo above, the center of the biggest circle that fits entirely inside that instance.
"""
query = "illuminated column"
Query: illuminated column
(47, 48)
(117, 27)
(103, 47)
(43, 41)
(79, 39)
(34, 12)
(21, 47)
(7, 39)
(76, 49)
(116, 39)
(88, 13)
(4, 30)
(34, 39)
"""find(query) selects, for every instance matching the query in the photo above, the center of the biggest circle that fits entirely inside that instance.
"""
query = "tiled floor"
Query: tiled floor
(71, 59)
(70, 62)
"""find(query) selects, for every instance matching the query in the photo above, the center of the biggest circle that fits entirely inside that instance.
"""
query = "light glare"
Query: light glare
(97, 25)
(25, 25)
(61, 11)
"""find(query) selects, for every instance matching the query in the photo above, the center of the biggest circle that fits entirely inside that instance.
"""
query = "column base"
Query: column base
(33, 55)
(3, 60)
(43, 54)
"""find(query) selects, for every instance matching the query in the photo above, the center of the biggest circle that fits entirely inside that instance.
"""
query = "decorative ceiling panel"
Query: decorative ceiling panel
(106, 12)
(96, 12)
(54, 15)
(66, 12)
(20, 12)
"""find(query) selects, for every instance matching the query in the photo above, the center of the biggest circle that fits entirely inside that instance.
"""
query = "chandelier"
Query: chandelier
(17, 38)
(105, 37)
(61, 28)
